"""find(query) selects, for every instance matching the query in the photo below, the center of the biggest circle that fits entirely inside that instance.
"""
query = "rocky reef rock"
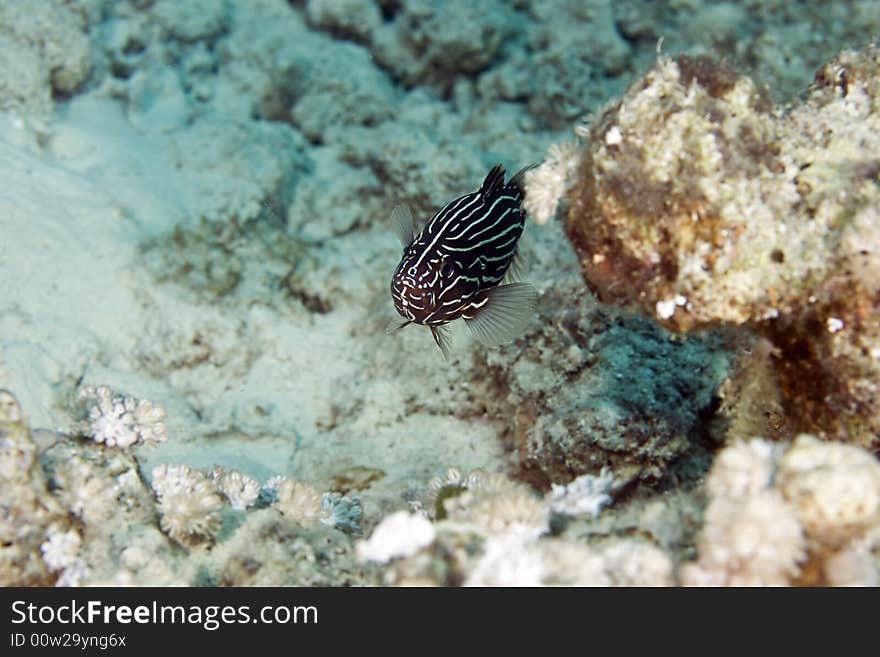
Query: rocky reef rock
(702, 204)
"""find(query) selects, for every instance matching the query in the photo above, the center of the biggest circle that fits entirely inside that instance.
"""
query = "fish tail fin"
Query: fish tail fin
(505, 315)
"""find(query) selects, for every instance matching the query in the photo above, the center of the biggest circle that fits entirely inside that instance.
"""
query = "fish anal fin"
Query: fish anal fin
(505, 315)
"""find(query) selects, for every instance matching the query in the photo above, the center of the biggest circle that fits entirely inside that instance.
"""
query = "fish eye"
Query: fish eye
(446, 270)
(412, 271)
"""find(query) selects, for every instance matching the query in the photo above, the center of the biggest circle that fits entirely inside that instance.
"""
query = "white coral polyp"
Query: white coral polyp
(61, 548)
(297, 501)
(240, 490)
(188, 504)
(548, 183)
(508, 560)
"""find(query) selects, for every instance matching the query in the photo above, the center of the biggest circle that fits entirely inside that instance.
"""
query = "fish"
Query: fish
(463, 264)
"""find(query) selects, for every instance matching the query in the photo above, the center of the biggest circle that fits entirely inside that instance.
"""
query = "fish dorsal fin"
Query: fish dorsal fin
(443, 339)
(519, 178)
(494, 181)
(404, 226)
(506, 314)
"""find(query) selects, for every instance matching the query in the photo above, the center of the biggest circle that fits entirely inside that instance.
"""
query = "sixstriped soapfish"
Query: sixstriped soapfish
(454, 267)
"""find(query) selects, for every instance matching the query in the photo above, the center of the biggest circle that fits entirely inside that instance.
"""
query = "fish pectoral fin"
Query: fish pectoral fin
(404, 226)
(505, 315)
(518, 265)
(394, 324)
(443, 338)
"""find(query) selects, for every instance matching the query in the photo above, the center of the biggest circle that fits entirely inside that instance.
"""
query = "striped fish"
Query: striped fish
(454, 268)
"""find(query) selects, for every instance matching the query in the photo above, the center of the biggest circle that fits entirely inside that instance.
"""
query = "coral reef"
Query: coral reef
(801, 513)
(436, 43)
(216, 239)
(703, 206)
(496, 532)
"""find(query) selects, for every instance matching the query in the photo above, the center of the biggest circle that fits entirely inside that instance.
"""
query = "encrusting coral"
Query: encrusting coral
(700, 203)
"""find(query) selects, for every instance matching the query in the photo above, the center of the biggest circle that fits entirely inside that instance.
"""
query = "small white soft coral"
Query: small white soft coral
(61, 548)
(240, 490)
(399, 535)
(493, 504)
(586, 495)
(189, 505)
(120, 421)
(296, 500)
(547, 183)
(86, 490)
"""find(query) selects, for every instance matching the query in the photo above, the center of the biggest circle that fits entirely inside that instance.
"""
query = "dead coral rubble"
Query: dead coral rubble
(699, 202)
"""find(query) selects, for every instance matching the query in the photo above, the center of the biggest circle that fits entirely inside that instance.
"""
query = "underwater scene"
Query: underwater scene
(439, 293)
